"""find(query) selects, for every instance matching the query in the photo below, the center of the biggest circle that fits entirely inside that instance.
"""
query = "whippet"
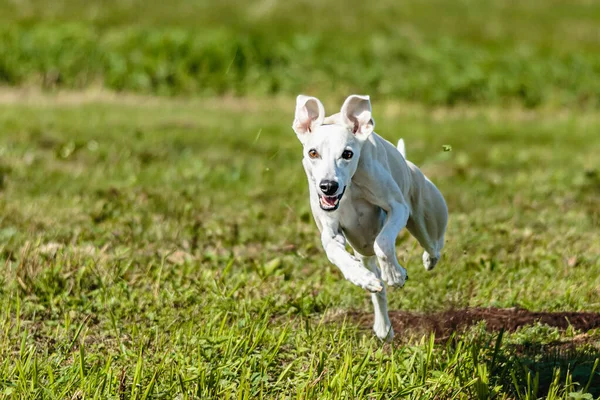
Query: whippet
(363, 190)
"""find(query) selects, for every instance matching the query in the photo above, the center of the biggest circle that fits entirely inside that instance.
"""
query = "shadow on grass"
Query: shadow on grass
(555, 362)
(529, 353)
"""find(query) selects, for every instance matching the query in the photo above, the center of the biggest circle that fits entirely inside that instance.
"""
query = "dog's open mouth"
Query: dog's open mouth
(330, 203)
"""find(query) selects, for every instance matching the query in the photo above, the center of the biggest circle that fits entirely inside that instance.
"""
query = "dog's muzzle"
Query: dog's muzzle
(330, 203)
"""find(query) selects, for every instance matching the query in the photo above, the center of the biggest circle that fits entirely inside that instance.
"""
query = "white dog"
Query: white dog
(364, 191)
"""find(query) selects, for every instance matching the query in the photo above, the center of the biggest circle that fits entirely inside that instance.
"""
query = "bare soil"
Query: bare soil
(444, 323)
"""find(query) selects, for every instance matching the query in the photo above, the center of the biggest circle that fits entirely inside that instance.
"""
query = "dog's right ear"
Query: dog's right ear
(310, 114)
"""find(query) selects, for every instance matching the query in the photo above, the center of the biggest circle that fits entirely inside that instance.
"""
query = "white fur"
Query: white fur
(381, 194)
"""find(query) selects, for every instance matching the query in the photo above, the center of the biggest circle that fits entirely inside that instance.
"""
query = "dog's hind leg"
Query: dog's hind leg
(381, 325)
(430, 262)
(428, 226)
(432, 248)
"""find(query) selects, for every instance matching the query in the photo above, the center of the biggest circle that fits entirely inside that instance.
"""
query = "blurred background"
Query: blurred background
(434, 52)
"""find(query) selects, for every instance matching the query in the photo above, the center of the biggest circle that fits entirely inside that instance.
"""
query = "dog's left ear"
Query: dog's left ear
(356, 114)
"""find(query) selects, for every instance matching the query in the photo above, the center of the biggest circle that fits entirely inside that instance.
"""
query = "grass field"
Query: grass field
(165, 248)
(155, 232)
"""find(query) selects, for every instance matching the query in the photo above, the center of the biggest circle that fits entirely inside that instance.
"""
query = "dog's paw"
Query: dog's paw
(384, 332)
(428, 261)
(367, 280)
(394, 276)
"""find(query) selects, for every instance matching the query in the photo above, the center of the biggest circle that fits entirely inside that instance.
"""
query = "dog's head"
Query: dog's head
(332, 151)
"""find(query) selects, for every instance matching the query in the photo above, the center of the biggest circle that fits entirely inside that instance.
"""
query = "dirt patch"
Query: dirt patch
(444, 323)
(33, 96)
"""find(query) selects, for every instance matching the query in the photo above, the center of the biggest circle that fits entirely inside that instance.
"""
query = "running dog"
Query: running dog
(364, 191)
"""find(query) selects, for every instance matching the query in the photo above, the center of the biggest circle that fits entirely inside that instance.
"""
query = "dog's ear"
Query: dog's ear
(310, 114)
(356, 114)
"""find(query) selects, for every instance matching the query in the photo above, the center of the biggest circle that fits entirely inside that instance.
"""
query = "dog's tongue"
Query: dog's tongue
(330, 200)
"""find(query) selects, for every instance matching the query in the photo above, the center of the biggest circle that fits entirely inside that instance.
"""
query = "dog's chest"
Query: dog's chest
(361, 221)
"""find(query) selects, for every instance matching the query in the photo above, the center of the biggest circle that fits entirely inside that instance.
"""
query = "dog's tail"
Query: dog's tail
(402, 148)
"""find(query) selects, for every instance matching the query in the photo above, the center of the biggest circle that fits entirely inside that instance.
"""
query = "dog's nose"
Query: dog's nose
(329, 187)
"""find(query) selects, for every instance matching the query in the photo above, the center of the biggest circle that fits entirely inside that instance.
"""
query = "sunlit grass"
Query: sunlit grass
(167, 249)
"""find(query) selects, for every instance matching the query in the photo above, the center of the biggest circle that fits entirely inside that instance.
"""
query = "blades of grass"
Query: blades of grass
(285, 372)
(411, 365)
(77, 333)
(228, 267)
(107, 377)
(428, 356)
(34, 375)
(242, 342)
(82, 371)
(113, 321)
(515, 382)
(497, 346)
(256, 338)
(360, 369)
(234, 289)
(18, 313)
(275, 349)
(482, 382)
(159, 276)
(137, 376)
(21, 378)
(589, 382)
(51, 380)
(466, 386)
(23, 343)
(66, 389)
(150, 387)
(554, 388)
(182, 385)
(568, 381)
(223, 323)
(529, 393)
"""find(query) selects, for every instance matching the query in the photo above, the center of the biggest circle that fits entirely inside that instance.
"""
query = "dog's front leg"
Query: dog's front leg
(381, 325)
(334, 244)
(385, 245)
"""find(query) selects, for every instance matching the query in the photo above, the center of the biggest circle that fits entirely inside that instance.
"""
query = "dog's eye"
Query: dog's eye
(347, 154)
(312, 153)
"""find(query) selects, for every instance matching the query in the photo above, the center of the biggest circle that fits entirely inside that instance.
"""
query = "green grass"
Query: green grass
(163, 247)
(159, 248)
(434, 52)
